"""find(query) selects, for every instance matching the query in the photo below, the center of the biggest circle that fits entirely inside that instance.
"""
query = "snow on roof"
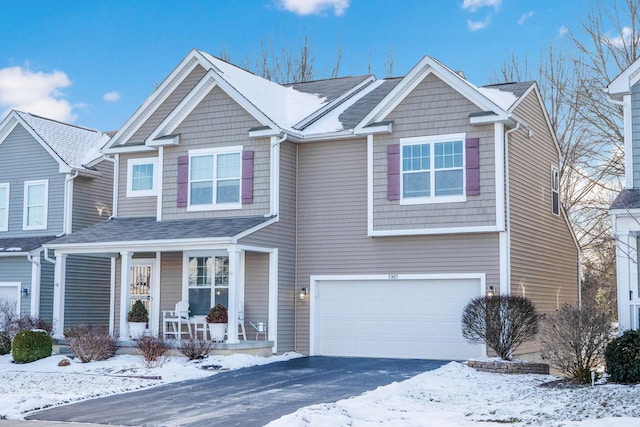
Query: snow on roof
(501, 98)
(283, 105)
(75, 145)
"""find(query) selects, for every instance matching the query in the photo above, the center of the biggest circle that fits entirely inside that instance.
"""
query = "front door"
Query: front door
(141, 284)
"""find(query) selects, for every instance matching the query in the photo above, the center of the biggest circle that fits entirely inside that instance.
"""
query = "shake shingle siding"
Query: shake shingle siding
(133, 206)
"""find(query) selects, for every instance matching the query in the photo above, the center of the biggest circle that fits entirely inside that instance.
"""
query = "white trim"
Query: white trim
(7, 186)
(215, 152)
(28, 184)
(131, 163)
(628, 140)
(391, 277)
(274, 176)
(254, 229)
(369, 185)
(499, 163)
(154, 303)
(125, 293)
(434, 231)
(273, 298)
(18, 286)
(159, 177)
(505, 287)
(68, 202)
(59, 284)
(555, 173)
(35, 285)
(112, 296)
(232, 294)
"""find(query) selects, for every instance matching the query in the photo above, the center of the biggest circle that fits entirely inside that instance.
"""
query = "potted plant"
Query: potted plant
(137, 318)
(217, 320)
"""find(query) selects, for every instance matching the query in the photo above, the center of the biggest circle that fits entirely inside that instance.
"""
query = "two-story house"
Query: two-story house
(356, 215)
(624, 90)
(53, 181)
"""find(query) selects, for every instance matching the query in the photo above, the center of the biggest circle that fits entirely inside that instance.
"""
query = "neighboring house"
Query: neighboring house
(356, 216)
(53, 181)
(624, 90)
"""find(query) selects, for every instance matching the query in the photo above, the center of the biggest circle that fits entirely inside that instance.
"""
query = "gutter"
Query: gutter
(114, 202)
(507, 194)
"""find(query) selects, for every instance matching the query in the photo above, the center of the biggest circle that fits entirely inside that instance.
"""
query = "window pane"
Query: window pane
(202, 193)
(201, 167)
(448, 182)
(222, 297)
(3, 197)
(200, 271)
(3, 217)
(35, 216)
(415, 157)
(228, 165)
(199, 301)
(228, 191)
(35, 195)
(416, 184)
(448, 154)
(142, 177)
(222, 271)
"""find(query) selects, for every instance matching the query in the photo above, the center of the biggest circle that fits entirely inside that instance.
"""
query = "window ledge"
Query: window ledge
(220, 207)
(433, 200)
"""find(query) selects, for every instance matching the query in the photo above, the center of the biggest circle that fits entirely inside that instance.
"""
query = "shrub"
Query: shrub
(138, 313)
(573, 339)
(502, 322)
(29, 346)
(218, 314)
(8, 314)
(89, 342)
(153, 351)
(5, 343)
(622, 358)
(195, 349)
(27, 323)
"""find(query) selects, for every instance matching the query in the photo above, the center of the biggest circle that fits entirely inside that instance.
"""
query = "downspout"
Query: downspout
(295, 262)
(114, 202)
(68, 204)
(508, 201)
(46, 256)
(275, 180)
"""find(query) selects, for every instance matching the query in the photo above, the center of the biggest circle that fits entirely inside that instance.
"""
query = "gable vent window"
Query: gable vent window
(555, 190)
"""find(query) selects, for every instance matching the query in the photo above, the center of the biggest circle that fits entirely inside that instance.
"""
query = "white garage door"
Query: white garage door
(412, 318)
(10, 294)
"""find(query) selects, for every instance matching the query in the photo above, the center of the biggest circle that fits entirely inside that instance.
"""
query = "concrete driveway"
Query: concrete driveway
(245, 397)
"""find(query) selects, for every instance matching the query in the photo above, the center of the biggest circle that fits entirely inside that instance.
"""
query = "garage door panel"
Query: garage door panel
(399, 318)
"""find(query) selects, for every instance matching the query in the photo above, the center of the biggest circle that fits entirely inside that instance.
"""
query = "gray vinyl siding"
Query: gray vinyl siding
(93, 197)
(282, 236)
(170, 282)
(332, 230)
(635, 132)
(18, 146)
(87, 290)
(46, 289)
(218, 121)
(18, 269)
(256, 290)
(168, 105)
(544, 258)
(433, 108)
(133, 206)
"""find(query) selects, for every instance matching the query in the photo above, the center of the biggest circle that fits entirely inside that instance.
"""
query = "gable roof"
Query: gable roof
(20, 245)
(73, 147)
(621, 85)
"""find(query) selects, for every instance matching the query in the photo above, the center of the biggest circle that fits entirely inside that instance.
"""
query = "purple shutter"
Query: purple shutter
(472, 147)
(183, 181)
(393, 172)
(247, 177)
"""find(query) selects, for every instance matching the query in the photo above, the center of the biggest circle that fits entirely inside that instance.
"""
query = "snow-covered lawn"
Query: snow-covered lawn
(453, 395)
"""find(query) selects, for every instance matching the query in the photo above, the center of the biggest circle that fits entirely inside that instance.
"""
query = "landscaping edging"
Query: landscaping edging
(508, 367)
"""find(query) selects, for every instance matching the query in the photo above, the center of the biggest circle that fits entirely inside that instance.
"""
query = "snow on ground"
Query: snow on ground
(41, 384)
(458, 396)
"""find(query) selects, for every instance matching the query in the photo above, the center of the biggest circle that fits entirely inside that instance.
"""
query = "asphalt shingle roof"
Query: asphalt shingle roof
(517, 88)
(148, 228)
(358, 111)
(23, 244)
(329, 88)
(629, 198)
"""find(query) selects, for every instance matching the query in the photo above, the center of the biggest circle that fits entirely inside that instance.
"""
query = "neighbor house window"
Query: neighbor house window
(4, 206)
(208, 283)
(141, 180)
(214, 178)
(36, 197)
(555, 190)
(432, 169)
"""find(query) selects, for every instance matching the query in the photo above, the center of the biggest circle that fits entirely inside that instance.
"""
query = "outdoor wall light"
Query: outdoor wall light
(25, 292)
(304, 292)
(491, 291)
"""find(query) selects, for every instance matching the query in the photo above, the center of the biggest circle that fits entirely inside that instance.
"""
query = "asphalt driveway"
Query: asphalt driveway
(245, 397)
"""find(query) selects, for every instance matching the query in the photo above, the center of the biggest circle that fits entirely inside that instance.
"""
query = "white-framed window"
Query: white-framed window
(141, 177)
(555, 190)
(36, 203)
(207, 281)
(5, 189)
(432, 169)
(215, 178)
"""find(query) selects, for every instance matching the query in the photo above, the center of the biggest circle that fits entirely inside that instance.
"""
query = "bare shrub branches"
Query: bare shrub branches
(91, 343)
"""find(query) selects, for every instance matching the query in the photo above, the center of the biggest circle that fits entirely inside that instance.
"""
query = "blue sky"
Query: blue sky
(92, 63)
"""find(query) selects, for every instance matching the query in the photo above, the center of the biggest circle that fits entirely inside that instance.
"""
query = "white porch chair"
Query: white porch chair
(176, 318)
(241, 331)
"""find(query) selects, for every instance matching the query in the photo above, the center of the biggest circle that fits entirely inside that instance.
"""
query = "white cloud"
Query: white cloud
(563, 31)
(35, 92)
(314, 7)
(623, 39)
(473, 5)
(478, 25)
(524, 17)
(112, 96)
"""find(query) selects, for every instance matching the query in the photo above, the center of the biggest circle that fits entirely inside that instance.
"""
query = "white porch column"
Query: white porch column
(35, 286)
(625, 246)
(58, 295)
(125, 291)
(234, 285)
(273, 299)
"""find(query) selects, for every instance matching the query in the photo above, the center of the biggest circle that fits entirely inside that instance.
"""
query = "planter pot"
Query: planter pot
(217, 331)
(136, 329)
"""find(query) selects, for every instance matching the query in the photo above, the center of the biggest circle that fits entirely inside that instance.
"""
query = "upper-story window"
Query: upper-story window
(432, 169)
(555, 190)
(215, 178)
(141, 180)
(4, 206)
(36, 198)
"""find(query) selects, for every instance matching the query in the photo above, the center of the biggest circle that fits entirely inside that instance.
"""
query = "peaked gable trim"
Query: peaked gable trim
(621, 85)
(417, 74)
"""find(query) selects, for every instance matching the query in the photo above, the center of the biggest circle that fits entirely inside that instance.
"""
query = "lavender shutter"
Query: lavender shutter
(247, 177)
(393, 172)
(472, 147)
(183, 181)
